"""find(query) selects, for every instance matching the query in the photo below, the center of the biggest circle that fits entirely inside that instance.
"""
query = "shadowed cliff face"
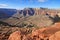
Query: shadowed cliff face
(6, 13)
(29, 11)
(34, 16)
(38, 11)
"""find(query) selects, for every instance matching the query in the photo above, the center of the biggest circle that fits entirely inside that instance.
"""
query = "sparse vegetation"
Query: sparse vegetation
(27, 20)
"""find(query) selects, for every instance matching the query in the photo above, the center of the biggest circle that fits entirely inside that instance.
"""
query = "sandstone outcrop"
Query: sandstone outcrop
(39, 34)
(15, 36)
(55, 36)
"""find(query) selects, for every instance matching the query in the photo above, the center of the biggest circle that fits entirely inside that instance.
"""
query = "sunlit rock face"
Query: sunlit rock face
(15, 36)
(49, 33)
(55, 36)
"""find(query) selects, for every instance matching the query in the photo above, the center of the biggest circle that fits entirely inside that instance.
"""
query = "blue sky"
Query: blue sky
(20, 4)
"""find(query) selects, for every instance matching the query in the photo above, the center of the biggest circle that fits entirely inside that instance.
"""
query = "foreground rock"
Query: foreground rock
(49, 33)
(55, 36)
(15, 36)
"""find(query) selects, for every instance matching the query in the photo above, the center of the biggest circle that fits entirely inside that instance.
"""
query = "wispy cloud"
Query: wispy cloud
(42, 0)
(3, 5)
(38, 0)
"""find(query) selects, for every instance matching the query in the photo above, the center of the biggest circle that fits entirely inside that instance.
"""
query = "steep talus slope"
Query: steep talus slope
(35, 16)
(31, 15)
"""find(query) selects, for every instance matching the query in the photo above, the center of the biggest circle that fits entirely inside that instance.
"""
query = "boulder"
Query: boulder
(15, 36)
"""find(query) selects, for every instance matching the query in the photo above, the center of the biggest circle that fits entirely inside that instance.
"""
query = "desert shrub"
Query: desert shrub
(30, 25)
(56, 19)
